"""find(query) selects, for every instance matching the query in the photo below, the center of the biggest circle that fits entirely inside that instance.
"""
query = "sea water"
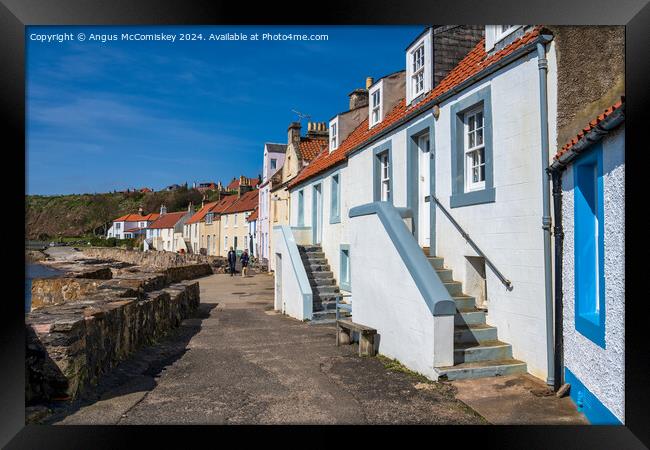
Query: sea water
(36, 271)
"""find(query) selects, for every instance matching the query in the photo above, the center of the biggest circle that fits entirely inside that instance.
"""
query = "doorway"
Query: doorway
(317, 214)
(423, 226)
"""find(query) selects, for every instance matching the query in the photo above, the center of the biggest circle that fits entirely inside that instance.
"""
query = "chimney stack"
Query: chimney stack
(358, 98)
(140, 210)
(317, 130)
(369, 82)
(163, 210)
(294, 133)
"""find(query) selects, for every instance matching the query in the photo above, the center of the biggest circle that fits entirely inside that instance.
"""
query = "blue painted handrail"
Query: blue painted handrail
(424, 275)
(298, 269)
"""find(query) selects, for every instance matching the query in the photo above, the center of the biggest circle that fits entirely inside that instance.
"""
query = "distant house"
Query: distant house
(131, 225)
(191, 229)
(209, 186)
(210, 226)
(145, 190)
(274, 155)
(253, 248)
(166, 233)
(172, 187)
(253, 183)
(234, 228)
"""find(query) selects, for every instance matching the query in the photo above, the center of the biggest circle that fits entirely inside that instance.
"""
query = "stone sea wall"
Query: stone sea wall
(70, 346)
(155, 259)
(102, 309)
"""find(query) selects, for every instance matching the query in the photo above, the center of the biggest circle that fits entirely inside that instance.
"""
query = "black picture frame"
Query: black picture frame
(16, 14)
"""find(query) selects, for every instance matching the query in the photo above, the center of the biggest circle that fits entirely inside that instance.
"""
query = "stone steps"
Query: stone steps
(469, 317)
(474, 334)
(481, 369)
(325, 291)
(485, 351)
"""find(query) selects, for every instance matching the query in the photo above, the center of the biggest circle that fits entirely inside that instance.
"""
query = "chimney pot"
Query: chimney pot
(369, 82)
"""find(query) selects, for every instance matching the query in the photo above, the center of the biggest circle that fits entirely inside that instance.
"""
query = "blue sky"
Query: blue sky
(124, 114)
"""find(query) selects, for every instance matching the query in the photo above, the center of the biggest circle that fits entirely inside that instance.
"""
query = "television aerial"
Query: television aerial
(301, 115)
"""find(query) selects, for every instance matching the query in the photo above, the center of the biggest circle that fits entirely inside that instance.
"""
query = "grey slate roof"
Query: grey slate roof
(276, 148)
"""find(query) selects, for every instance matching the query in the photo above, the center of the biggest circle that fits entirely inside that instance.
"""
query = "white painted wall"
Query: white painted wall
(290, 299)
(508, 230)
(386, 298)
(602, 371)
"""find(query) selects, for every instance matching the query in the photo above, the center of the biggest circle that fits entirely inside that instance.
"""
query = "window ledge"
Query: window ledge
(336, 219)
(472, 198)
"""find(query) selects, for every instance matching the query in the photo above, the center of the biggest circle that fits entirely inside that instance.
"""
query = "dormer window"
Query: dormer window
(376, 105)
(419, 65)
(334, 134)
(498, 36)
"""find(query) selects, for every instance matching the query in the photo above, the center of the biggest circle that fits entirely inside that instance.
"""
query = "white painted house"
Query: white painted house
(130, 225)
(453, 168)
(166, 233)
(589, 178)
(274, 155)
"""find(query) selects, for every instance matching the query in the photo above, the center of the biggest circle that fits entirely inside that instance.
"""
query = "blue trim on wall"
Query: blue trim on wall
(424, 275)
(588, 403)
(376, 169)
(335, 190)
(345, 285)
(301, 208)
(412, 172)
(315, 226)
(458, 195)
(588, 248)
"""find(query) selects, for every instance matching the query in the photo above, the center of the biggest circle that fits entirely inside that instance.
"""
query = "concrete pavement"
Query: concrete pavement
(239, 362)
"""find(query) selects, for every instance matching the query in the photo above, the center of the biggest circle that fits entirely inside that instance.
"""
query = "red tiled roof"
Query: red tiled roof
(234, 184)
(200, 214)
(475, 61)
(168, 220)
(247, 202)
(311, 147)
(253, 215)
(590, 126)
(224, 203)
(137, 217)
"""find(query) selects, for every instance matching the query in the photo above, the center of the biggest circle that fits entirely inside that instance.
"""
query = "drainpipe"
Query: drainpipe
(558, 233)
(546, 212)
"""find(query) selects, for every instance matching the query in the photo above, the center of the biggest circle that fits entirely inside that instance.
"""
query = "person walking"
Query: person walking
(244, 258)
(232, 260)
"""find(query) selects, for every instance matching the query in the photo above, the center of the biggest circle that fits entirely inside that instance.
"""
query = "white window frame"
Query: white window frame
(377, 91)
(235, 221)
(208, 219)
(225, 223)
(274, 163)
(417, 73)
(384, 176)
(470, 184)
(502, 34)
(118, 225)
(334, 134)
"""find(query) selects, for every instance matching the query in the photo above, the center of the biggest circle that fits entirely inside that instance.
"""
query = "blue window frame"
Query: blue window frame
(382, 176)
(344, 268)
(589, 246)
(335, 198)
(472, 163)
(301, 208)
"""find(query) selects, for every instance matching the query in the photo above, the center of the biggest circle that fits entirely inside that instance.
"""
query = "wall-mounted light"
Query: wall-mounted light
(436, 111)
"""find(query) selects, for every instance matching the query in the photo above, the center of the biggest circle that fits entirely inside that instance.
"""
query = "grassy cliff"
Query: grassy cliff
(48, 217)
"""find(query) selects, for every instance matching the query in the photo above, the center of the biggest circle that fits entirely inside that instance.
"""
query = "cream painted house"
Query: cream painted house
(233, 225)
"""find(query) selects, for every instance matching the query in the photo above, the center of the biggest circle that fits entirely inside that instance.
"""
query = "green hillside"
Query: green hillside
(48, 217)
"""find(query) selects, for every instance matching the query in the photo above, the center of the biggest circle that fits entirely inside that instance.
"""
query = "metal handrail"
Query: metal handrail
(464, 234)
